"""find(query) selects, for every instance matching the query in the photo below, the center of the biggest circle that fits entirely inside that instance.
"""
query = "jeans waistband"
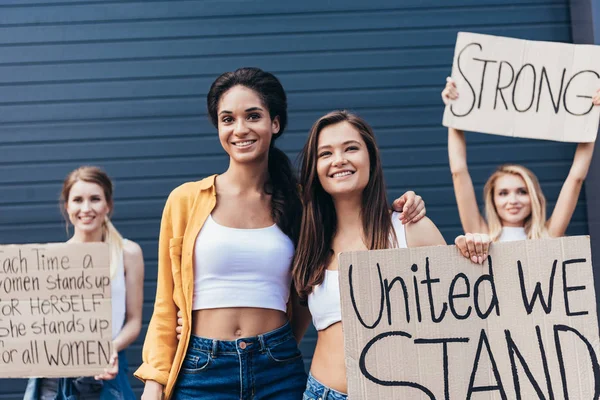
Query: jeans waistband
(323, 391)
(249, 344)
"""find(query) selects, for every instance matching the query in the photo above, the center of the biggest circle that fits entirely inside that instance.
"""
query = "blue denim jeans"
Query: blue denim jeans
(119, 388)
(315, 390)
(83, 388)
(268, 366)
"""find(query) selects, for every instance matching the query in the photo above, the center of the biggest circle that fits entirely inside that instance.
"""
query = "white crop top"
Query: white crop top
(118, 294)
(241, 267)
(324, 301)
(510, 234)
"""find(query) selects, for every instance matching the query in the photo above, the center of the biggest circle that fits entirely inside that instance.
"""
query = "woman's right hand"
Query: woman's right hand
(474, 246)
(179, 324)
(152, 391)
(450, 92)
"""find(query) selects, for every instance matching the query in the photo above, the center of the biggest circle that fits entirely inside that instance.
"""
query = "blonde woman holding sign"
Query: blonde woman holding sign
(345, 209)
(515, 207)
(87, 202)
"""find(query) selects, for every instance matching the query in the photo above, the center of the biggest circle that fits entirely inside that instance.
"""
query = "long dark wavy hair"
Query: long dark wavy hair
(319, 221)
(283, 183)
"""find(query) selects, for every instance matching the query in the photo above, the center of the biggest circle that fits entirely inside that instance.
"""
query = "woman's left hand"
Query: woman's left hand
(474, 246)
(596, 98)
(111, 371)
(410, 206)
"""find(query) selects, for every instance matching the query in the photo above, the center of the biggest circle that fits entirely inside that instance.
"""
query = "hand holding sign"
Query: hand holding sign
(450, 92)
(474, 246)
(111, 371)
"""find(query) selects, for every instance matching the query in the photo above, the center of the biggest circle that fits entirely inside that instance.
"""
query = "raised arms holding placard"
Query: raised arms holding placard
(515, 206)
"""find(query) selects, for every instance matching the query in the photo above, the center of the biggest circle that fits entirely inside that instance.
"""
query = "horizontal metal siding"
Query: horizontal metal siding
(122, 84)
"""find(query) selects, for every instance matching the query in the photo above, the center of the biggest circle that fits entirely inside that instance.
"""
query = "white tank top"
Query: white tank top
(510, 234)
(324, 301)
(119, 303)
(242, 267)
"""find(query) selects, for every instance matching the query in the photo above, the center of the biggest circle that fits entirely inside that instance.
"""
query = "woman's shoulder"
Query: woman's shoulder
(189, 190)
(131, 248)
(132, 255)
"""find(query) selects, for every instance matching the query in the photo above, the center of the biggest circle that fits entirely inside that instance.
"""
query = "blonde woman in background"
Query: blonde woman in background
(515, 207)
(87, 202)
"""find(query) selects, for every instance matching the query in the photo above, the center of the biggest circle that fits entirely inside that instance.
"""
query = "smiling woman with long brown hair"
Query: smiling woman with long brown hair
(345, 209)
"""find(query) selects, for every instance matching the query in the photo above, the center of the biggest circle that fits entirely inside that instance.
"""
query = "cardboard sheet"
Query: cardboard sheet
(527, 89)
(426, 323)
(55, 310)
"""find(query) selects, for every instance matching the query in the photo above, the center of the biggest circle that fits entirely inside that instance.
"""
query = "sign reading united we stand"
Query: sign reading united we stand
(425, 323)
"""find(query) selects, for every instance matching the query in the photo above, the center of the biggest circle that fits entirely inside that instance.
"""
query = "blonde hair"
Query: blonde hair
(535, 223)
(110, 234)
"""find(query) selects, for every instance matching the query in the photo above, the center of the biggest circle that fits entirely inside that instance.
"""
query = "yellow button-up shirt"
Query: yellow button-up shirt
(185, 212)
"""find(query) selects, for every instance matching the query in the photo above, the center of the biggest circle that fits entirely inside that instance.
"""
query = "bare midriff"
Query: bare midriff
(235, 323)
(328, 363)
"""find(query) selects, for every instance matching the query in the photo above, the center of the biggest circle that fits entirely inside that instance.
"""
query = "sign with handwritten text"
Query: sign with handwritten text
(522, 88)
(55, 310)
(426, 323)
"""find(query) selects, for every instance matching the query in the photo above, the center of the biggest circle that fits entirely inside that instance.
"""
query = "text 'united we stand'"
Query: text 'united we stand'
(426, 323)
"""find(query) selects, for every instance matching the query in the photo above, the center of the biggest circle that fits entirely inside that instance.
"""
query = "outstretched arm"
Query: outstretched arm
(567, 199)
(470, 217)
(569, 193)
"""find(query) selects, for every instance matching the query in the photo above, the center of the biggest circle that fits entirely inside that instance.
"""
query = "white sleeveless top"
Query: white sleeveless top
(242, 267)
(510, 234)
(119, 303)
(324, 301)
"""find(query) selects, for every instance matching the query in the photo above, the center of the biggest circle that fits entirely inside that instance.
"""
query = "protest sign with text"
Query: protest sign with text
(426, 323)
(528, 89)
(55, 310)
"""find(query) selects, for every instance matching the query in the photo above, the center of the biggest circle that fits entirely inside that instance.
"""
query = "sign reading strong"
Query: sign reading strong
(521, 88)
(425, 323)
(55, 310)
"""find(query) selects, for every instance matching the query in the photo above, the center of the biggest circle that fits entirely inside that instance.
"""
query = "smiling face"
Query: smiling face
(87, 207)
(342, 160)
(512, 200)
(245, 126)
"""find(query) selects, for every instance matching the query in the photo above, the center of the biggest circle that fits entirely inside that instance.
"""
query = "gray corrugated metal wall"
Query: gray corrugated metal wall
(121, 84)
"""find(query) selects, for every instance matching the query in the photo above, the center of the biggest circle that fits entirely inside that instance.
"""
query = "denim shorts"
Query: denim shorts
(268, 366)
(315, 390)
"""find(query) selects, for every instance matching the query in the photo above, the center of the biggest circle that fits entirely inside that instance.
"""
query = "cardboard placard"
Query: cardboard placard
(527, 89)
(426, 323)
(55, 310)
